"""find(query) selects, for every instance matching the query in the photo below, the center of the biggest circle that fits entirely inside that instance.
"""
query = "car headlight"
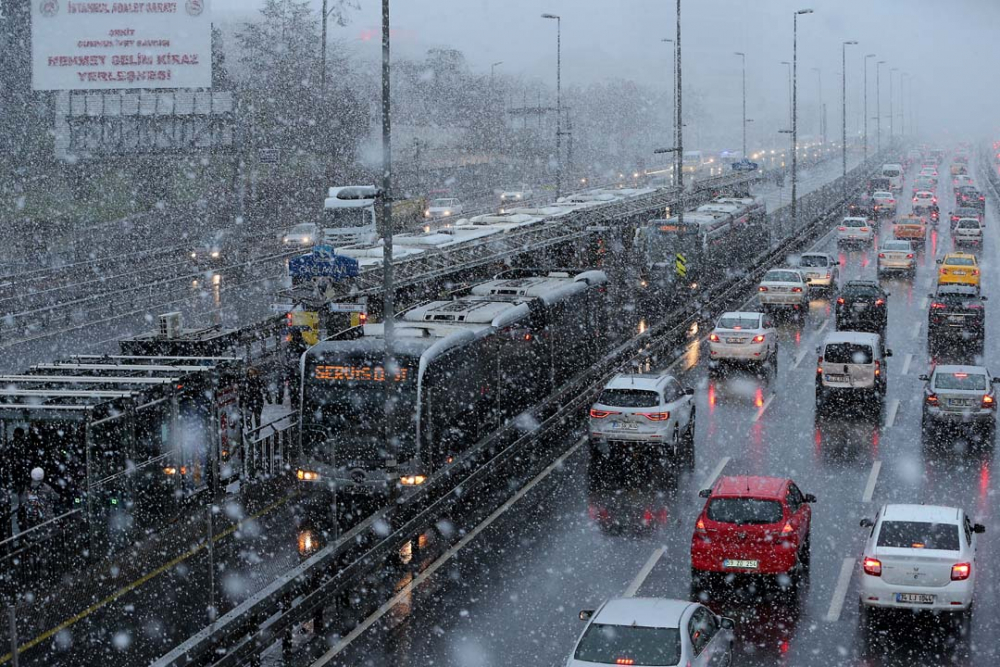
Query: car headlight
(194, 255)
(215, 254)
(447, 213)
(427, 214)
(306, 240)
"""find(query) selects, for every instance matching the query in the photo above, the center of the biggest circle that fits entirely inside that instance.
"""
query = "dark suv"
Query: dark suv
(968, 195)
(957, 315)
(861, 207)
(862, 305)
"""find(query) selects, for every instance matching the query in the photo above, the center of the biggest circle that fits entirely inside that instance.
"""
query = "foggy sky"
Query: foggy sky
(947, 47)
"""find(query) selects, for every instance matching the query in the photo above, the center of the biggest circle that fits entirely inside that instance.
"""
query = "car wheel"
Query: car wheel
(688, 446)
(805, 552)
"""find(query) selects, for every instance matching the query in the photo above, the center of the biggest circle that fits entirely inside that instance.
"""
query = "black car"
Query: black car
(969, 196)
(862, 305)
(965, 212)
(957, 315)
(861, 207)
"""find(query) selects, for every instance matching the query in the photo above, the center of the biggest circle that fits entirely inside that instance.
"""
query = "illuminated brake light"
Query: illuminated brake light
(878, 368)
(879, 302)
(989, 401)
(656, 416)
(601, 414)
(909, 256)
(761, 289)
(960, 376)
(931, 399)
(796, 289)
(975, 272)
(700, 526)
(714, 338)
(759, 338)
(787, 529)
(881, 255)
(844, 229)
(872, 566)
(961, 571)
(864, 229)
(840, 300)
(624, 661)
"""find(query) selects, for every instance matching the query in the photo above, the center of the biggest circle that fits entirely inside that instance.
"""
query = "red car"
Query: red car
(752, 525)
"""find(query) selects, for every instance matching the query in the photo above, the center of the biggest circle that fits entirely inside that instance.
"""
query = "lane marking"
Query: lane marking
(760, 412)
(823, 325)
(915, 331)
(715, 474)
(923, 303)
(654, 558)
(906, 363)
(809, 344)
(866, 497)
(444, 558)
(893, 408)
(840, 593)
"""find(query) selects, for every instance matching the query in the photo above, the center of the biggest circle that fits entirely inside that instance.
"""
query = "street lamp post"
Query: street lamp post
(673, 91)
(388, 297)
(493, 69)
(795, 111)
(892, 117)
(870, 55)
(743, 57)
(558, 20)
(785, 62)
(819, 109)
(878, 102)
(843, 110)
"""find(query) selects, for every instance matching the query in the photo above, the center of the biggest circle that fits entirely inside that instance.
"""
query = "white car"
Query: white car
(967, 231)
(783, 288)
(960, 395)
(443, 208)
(515, 196)
(303, 235)
(896, 255)
(885, 203)
(820, 269)
(653, 631)
(962, 179)
(641, 413)
(919, 557)
(855, 231)
(743, 337)
(923, 200)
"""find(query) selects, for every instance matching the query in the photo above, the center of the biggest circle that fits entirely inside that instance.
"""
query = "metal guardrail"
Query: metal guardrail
(300, 593)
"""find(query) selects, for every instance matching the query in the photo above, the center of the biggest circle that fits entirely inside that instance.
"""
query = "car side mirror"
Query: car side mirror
(940, 261)
(727, 623)
(810, 498)
(689, 391)
(768, 324)
(984, 298)
(888, 353)
(926, 378)
(867, 523)
(586, 614)
(819, 350)
(705, 493)
(979, 529)
(930, 296)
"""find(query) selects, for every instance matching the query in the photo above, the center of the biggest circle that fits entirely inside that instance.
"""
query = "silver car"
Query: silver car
(855, 231)
(820, 270)
(968, 231)
(957, 394)
(896, 255)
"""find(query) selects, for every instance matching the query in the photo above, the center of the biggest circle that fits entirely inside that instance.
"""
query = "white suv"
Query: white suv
(919, 557)
(646, 413)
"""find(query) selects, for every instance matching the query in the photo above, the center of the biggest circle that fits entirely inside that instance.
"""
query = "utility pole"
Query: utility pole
(819, 108)
(878, 101)
(743, 57)
(843, 111)
(559, 165)
(323, 50)
(870, 55)
(388, 303)
(892, 117)
(673, 92)
(785, 62)
(795, 111)
(678, 121)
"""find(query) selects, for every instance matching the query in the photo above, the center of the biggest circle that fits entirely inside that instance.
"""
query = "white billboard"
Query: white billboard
(85, 45)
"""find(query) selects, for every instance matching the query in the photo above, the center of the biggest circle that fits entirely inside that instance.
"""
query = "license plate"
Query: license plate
(859, 307)
(959, 273)
(958, 319)
(734, 340)
(831, 377)
(961, 402)
(740, 564)
(814, 275)
(624, 426)
(916, 598)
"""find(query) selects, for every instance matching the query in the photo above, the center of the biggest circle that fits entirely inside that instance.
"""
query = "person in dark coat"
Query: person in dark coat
(294, 349)
(254, 394)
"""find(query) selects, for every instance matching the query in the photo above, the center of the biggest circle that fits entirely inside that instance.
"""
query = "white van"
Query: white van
(851, 364)
(894, 172)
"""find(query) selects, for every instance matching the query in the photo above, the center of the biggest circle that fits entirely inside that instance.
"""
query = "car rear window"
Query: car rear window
(918, 535)
(738, 322)
(970, 381)
(629, 398)
(896, 245)
(968, 224)
(960, 261)
(855, 223)
(862, 290)
(814, 260)
(782, 277)
(848, 353)
(745, 511)
(629, 645)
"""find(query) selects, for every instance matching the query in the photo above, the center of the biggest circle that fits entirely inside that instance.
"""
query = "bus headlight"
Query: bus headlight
(307, 475)
(412, 480)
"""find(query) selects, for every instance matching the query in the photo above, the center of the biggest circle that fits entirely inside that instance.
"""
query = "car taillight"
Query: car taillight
(879, 302)
(841, 229)
(714, 338)
(864, 229)
(840, 300)
(787, 529)
(931, 399)
(881, 255)
(872, 566)
(961, 571)
(989, 401)
(819, 365)
(909, 256)
(761, 289)
(656, 416)
(624, 661)
(975, 272)
(759, 338)
(601, 414)
(700, 526)
(796, 289)
(937, 306)
(878, 368)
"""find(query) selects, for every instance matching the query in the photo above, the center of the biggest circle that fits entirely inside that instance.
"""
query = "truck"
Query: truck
(349, 216)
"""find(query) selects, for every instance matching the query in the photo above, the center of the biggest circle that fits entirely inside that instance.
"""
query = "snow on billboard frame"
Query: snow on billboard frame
(105, 45)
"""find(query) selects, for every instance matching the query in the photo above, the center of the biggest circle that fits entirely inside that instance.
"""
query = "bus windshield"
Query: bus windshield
(359, 216)
(665, 239)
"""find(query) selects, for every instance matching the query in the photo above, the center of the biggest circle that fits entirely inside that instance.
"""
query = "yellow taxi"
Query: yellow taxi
(958, 268)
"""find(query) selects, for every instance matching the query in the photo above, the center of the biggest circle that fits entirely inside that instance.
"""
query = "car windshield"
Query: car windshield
(896, 245)
(960, 261)
(814, 260)
(960, 381)
(302, 229)
(918, 535)
(745, 511)
(629, 645)
(442, 203)
(736, 322)
(782, 277)
(629, 398)
(848, 353)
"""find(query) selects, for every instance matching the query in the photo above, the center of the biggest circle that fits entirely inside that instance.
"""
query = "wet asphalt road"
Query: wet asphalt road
(583, 534)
